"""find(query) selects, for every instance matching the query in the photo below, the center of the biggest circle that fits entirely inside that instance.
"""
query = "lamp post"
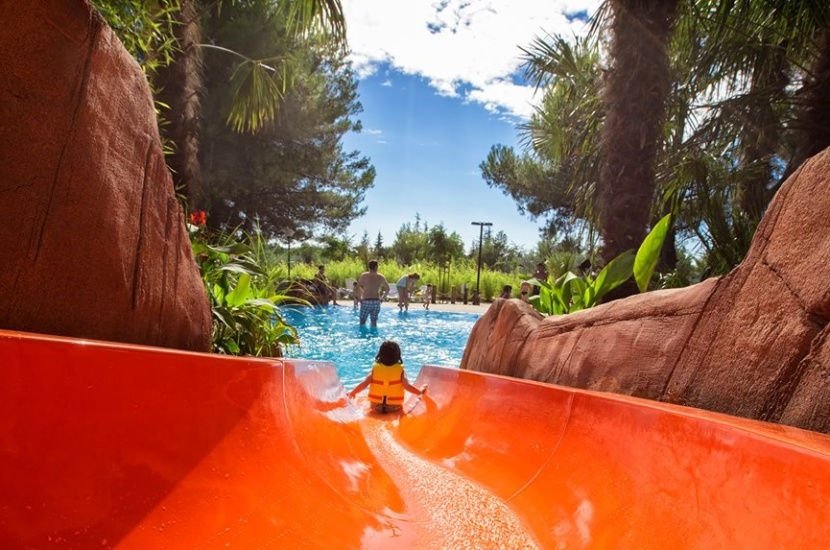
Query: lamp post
(288, 232)
(477, 298)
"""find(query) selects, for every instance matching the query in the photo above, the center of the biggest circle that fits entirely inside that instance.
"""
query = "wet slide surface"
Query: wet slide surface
(115, 446)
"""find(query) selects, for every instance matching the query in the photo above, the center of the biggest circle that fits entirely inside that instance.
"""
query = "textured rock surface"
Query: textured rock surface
(753, 343)
(94, 241)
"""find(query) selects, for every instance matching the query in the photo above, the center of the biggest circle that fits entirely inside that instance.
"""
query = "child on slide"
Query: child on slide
(387, 380)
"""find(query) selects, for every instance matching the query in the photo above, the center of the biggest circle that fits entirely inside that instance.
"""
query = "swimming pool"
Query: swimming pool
(332, 333)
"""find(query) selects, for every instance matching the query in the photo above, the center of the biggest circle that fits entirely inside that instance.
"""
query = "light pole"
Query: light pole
(288, 232)
(477, 300)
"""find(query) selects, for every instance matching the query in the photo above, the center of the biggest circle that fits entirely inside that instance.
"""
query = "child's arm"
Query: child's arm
(360, 387)
(409, 387)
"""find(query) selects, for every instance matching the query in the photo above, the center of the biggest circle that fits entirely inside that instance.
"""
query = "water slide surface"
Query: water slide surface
(115, 446)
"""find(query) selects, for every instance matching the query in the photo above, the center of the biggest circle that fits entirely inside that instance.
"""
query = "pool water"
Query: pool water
(333, 333)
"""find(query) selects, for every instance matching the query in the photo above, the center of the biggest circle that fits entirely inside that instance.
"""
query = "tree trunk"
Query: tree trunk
(637, 84)
(181, 85)
(762, 132)
(813, 123)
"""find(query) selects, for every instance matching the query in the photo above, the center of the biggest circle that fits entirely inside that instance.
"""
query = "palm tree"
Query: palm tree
(636, 86)
(565, 128)
(261, 84)
(744, 59)
(735, 115)
(180, 85)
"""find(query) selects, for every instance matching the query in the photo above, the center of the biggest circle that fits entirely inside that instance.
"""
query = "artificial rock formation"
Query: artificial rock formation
(753, 343)
(94, 242)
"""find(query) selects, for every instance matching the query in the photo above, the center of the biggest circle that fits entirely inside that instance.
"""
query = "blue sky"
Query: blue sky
(440, 85)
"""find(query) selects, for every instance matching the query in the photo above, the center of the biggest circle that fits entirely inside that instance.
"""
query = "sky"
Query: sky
(441, 83)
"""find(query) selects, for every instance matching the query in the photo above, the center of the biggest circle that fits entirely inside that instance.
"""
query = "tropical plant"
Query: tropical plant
(240, 285)
(570, 292)
(746, 105)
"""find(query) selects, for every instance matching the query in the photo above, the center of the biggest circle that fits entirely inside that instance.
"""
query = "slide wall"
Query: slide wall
(117, 446)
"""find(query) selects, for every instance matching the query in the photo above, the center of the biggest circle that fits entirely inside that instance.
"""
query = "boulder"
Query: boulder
(94, 239)
(752, 343)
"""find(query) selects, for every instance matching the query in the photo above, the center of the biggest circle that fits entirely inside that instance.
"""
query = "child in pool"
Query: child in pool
(387, 379)
(356, 295)
(427, 296)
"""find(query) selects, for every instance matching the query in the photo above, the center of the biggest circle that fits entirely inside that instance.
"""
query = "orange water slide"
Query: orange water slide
(116, 446)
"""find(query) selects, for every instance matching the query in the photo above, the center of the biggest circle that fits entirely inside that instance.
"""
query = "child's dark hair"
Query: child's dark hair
(389, 353)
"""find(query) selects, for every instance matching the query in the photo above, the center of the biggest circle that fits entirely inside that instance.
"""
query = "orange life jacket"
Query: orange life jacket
(387, 384)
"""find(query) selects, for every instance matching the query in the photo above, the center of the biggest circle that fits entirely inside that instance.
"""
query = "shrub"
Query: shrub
(240, 282)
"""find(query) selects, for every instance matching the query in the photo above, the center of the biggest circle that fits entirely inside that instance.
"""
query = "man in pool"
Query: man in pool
(373, 290)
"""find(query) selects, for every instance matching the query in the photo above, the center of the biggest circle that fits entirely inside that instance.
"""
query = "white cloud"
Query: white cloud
(463, 48)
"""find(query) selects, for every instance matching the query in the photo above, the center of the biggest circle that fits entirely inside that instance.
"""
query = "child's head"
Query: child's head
(389, 353)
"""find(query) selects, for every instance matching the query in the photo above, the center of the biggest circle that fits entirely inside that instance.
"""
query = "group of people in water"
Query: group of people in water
(387, 381)
(371, 289)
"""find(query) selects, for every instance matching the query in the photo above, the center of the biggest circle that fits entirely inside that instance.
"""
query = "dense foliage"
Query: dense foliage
(292, 174)
(275, 70)
(747, 85)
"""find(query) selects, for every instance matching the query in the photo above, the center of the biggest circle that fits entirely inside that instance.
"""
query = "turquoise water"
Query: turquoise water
(332, 333)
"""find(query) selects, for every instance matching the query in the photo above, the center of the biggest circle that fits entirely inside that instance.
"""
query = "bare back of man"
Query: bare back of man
(371, 285)
(373, 289)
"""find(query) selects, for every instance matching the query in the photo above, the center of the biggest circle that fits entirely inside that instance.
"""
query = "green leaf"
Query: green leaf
(219, 293)
(261, 303)
(239, 267)
(649, 253)
(536, 302)
(589, 296)
(615, 273)
(239, 294)
(236, 249)
(225, 317)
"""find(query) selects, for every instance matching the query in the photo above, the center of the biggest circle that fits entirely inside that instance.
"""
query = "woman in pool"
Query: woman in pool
(405, 285)
(387, 379)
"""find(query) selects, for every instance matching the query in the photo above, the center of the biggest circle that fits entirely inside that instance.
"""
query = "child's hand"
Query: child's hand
(351, 394)
(424, 389)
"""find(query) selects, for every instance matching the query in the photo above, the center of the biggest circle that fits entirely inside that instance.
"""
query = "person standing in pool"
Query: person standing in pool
(356, 295)
(427, 296)
(373, 289)
(387, 380)
(405, 285)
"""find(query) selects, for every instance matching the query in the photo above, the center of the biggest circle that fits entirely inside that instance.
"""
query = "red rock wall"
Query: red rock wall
(752, 343)
(94, 240)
